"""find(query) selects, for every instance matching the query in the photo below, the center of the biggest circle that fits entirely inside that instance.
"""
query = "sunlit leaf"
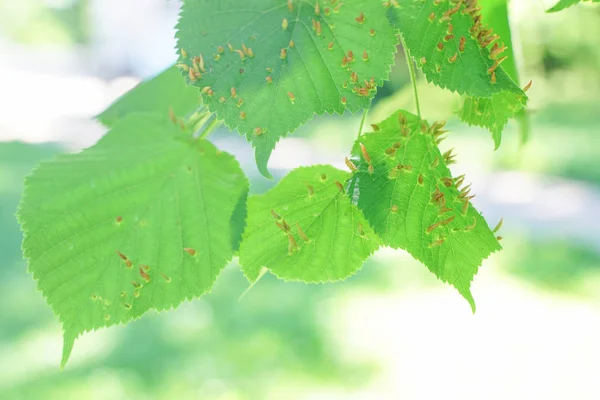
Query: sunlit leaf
(265, 67)
(145, 219)
(406, 191)
(306, 229)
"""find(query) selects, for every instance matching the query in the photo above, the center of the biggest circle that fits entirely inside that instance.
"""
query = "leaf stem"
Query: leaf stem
(413, 74)
(209, 128)
(362, 121)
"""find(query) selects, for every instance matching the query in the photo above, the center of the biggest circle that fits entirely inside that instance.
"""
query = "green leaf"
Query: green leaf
(562, 4)
(286, 61)
(451, 47)
(306, 229)
(491, 113)
(144, 219)
(167, 90)
(494, 14)
(408, 195)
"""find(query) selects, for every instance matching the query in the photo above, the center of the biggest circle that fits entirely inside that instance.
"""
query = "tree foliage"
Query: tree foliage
(150, 215)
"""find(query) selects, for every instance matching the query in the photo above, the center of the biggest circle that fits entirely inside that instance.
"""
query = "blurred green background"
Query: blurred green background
(390, 332)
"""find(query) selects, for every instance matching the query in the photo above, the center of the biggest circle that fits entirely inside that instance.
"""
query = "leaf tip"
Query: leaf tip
(68, 343)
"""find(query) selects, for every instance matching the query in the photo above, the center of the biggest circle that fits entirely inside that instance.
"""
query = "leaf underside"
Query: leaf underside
(451, 47)
(167, 90)
(306, 229)
(562, 4)
(144, 219)
(267, 66)
(408, 195)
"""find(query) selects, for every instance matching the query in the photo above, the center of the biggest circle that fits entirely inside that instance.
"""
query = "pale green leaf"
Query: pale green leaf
(494, 14)
(306, 229)
(167, 90)
(453, 51)
(491, 113)
(562, 4)
(144, 219)
(292, 66)
(408, 195)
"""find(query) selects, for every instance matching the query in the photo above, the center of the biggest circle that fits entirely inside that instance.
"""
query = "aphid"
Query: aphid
(290, 6)
(269, 79)
(184, 53)
(365, 153)
(119, 219)
(431, 17)
(437, 243)
(423, 60)
(435, 163)
(291, 97)
(375, 127)
(258, 131)
(461, 44)
(339, 186)
(286, 226)
(292, 44)
(343, 100)
(230, 47)
(184, 67)
(311, 190)
(528, 86)
(330, 46)
(420, 179)
(472, 226)
(284, 24)
(190, 251)
(220, 50)
(241, 54)
(448, 38)
(317, 9)
(465, 207)
(365, 56)
(493, 77)
(283, 54)
(360, 229)
(350, 165)
(243, 115)
(394, 208)
(165, 277)
(350, 56)
(123, 256)
(447, 221)
(292, 245)
(240, 102)
(301, 233)
(144, 275)
(319, 30)
(233, 92)
(280, 226)
(371, 169)
(453, 58)
(433, 227)
(372, 32)
(192, 75)
(354, 76)
(440, 46)
(275, 215)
